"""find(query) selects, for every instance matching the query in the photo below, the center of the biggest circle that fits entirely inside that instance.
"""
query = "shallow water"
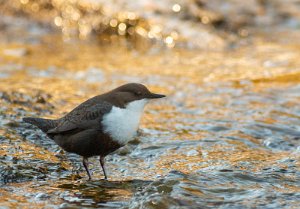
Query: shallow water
(226, 136)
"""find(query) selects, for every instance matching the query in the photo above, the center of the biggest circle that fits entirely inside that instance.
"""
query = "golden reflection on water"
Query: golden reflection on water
(220, 154)
(181, 65)
(19, 201)
(191, 65)
(177, 70)
(80, 18)
(15, 200)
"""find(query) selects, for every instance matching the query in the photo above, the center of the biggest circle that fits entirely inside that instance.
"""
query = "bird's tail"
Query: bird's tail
(41, 123)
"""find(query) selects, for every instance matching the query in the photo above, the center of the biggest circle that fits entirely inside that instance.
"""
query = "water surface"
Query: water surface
(226, 136)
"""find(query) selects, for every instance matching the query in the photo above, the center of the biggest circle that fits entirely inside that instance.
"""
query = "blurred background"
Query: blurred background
(192, 23)
(227, 135)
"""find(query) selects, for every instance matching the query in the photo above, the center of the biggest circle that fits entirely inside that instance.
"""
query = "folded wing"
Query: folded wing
(85, 116)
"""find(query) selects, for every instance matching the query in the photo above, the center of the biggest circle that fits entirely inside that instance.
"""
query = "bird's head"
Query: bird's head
(132, 92)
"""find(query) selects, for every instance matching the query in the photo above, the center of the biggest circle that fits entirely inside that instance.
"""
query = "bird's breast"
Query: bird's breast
(122, 123)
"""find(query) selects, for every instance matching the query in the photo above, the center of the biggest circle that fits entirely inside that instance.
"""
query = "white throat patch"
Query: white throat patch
(122, 124)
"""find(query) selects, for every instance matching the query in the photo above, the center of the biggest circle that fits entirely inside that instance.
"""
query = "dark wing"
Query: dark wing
(86, 117)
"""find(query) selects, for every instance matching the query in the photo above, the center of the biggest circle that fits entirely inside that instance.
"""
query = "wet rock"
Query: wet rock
(135, 141)
(25, 99)
(124, 151)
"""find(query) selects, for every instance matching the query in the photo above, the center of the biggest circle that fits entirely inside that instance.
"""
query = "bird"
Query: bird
(100, 125)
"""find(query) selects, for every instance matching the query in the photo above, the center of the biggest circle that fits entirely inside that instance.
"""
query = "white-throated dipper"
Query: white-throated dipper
(100, 125)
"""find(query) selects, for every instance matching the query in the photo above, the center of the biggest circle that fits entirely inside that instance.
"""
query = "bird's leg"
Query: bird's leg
(85, 163)
(102, 165)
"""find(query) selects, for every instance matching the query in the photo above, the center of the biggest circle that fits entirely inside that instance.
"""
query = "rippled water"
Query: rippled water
(227, 135)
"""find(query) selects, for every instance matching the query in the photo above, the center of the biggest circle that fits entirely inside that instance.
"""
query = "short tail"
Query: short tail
(41, 123)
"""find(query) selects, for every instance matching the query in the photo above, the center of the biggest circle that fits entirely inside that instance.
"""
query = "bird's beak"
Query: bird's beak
(155, 96)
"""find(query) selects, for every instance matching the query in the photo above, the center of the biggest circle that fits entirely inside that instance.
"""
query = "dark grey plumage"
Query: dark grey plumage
(41, 123)
(81, 131)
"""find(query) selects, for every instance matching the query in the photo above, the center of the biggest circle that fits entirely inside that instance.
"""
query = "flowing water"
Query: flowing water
(226, 136)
